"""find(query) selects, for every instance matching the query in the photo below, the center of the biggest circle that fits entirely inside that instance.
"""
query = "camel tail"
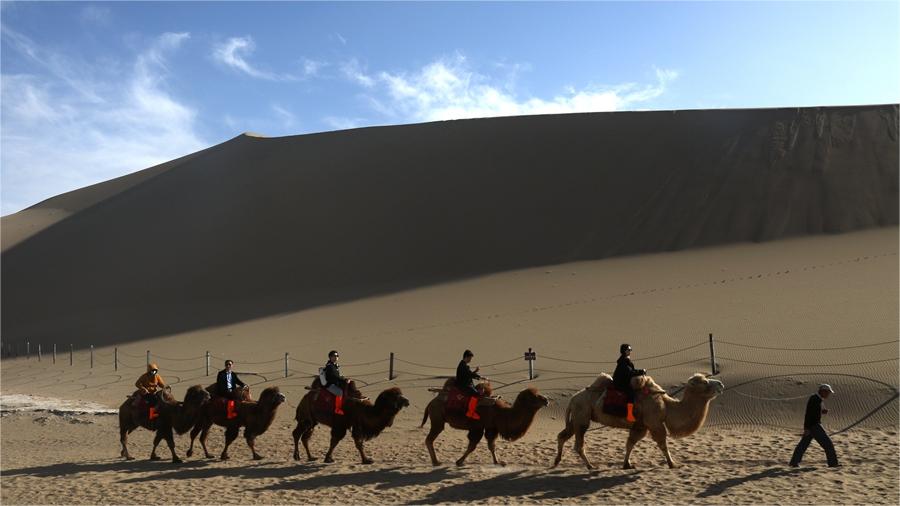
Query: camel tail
(424, 418)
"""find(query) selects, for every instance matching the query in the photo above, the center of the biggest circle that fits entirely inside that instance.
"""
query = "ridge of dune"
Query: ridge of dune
(21, 225)
(279, 224)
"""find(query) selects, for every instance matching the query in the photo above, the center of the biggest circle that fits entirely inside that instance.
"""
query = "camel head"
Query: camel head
(272, 395)
(704, 386)
(196, 395)
(532, 399)
(393, 399)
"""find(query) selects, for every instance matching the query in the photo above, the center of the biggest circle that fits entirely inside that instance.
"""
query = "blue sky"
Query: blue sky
(92, 91)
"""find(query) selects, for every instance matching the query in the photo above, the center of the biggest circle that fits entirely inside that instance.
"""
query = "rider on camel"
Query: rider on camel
(148, 384)
(622, 377)
(465, 381)
(334, 382)
(228, 385)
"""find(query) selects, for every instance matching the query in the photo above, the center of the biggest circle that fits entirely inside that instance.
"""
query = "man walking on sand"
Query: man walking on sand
(812, 428)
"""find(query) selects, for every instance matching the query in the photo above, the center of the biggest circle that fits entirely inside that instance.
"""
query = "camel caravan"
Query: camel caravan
(629, 399)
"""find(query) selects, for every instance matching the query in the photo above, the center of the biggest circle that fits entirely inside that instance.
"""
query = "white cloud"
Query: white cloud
(449, 88)
(311, 67)
(60, 133)
(234, 52)
(286, 117)
(354, 71)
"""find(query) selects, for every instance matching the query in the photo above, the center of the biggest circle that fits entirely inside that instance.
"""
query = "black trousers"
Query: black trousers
(818, 433)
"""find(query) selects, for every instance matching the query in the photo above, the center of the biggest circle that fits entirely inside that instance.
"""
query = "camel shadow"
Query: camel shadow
(383, 479)
(545, 486)
(249, 471)
(775, 472)
(118, 466)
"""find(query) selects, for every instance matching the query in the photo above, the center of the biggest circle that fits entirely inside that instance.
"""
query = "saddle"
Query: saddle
(145, 410)
(615, 402)
(226, 406)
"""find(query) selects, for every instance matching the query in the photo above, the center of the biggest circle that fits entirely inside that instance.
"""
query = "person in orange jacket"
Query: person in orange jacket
(148, 384)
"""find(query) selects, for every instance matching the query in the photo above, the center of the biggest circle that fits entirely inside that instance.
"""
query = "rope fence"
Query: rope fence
(117, 358)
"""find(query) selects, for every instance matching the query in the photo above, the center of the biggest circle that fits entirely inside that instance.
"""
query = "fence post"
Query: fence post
(54, 353)
(71, 354)
(92, 356)
(712, 356)
(207, 362)
(28, 350)
(148, 357)
(286, 365)
(391, 368)
(116, 358)
(530, 356)
(39, 352)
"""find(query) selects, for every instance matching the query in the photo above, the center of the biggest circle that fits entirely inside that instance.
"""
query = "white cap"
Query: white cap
(826, 386)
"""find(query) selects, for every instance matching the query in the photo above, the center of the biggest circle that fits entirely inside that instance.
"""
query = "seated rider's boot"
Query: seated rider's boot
(472, 413)
(630, 416)
(339, 405)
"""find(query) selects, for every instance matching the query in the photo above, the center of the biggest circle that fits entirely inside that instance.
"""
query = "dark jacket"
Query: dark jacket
(624, 372)
(465, 378)
(222, 383)
(333, 375)
(813, 412)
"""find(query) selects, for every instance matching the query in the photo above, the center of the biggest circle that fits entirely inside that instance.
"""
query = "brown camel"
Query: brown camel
(254, 416)
(498, 418)
(364, 419)
(655, 411)
(173, 415)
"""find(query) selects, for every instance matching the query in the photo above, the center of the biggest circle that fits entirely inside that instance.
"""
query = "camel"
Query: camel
(498, 418)
(655, 411)
(173, 415)
(254, 416)
(364, 419)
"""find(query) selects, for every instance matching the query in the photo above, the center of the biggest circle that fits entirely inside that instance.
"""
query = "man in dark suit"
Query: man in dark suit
(812, 428)
(227, 381)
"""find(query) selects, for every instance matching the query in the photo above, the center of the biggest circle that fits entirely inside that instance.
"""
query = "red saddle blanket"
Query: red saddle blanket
(615, 402)
(220, 405)
(457, 400)
(144, 409)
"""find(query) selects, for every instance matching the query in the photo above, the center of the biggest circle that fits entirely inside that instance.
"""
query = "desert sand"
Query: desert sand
(810, 293)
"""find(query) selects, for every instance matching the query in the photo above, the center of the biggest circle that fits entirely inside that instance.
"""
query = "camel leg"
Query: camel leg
(336, 435)
(156, 439)
(491, 437)
(579, 445)
(659, 435)
(251, 439)
(194, 431)
(170, 440)
(474, 437)
(231, 433)
(358, 440)
(203, 435)
(296, 434)
(123, 438)
(636, 434)
(436, 429)
(561, 438)
(304, 438)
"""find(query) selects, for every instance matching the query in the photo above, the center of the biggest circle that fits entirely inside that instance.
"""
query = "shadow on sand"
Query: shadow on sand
(775, 472)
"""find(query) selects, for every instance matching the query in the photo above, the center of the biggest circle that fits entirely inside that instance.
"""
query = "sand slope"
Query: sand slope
(261, 226)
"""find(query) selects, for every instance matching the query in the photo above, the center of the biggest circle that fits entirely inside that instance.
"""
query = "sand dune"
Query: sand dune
(260, 226)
